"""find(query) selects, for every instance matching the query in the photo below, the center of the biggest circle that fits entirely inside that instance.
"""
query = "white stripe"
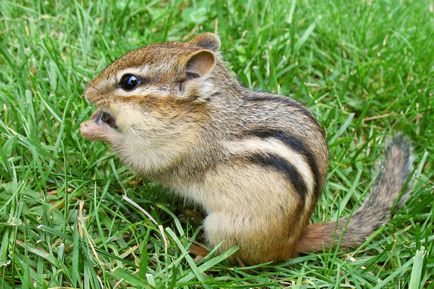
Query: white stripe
(274, 146)
(144, 90)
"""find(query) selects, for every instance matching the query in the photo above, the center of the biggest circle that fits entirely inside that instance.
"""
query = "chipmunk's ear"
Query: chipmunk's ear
(200, 63)
(207, 40)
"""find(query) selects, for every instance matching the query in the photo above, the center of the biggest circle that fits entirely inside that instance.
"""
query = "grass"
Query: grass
(365, 68)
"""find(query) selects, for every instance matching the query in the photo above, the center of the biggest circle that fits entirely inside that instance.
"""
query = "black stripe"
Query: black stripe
(281, 165)
(288, 101)
(276, 98)
(281, 99)
(293, 143)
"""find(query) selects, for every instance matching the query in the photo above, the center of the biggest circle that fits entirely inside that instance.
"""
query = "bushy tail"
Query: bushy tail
(352, 231)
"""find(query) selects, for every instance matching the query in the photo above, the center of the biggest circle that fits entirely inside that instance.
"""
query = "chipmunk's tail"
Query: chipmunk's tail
(352, 231)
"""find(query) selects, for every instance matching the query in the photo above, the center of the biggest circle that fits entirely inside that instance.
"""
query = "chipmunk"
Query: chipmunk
(256, 162)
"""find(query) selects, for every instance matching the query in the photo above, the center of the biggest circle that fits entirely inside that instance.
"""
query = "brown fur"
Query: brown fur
(256, 162)
(349, 232)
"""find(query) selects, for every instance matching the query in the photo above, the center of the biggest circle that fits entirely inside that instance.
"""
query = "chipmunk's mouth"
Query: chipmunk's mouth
(101, 126)
(100, 117)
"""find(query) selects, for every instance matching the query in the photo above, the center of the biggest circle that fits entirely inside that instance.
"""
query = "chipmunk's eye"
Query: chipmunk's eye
(129, 82)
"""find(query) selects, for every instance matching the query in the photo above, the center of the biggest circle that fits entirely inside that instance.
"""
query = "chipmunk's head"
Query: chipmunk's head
(153, 97)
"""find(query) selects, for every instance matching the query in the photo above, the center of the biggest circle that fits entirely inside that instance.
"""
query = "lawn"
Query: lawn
(71, 215)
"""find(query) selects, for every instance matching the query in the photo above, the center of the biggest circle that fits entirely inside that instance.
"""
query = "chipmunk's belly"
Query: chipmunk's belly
(239, 187)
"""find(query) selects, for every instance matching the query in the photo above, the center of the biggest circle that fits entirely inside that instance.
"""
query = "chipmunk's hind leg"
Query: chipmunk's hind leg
(259, 238)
